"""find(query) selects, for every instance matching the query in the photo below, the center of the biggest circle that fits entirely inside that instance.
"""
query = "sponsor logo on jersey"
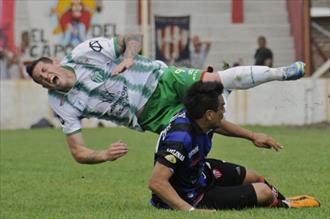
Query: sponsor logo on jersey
(194, 73)
(61, 120)
(171, 158)
(176, 153)
(193, 151)
(95, 46)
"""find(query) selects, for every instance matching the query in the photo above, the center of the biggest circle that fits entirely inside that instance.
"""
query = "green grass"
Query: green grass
(40, 179)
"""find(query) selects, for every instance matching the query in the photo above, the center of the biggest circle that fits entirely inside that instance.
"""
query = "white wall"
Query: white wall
(22, 103)
(291, 103)
(282, 103)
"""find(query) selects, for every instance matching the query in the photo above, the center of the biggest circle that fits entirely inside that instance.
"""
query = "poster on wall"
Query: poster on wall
(172, 40)
(52, 28)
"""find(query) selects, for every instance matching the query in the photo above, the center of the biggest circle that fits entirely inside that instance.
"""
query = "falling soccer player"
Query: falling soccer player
(107, 79)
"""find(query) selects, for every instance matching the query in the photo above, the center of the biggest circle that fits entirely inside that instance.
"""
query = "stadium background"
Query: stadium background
(295, 30)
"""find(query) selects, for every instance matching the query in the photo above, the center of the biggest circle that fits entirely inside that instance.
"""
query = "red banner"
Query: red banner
(7, 24)
(237, 11)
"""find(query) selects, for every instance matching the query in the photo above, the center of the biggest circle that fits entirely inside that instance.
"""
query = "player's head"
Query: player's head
(203, 100)
(48, 73)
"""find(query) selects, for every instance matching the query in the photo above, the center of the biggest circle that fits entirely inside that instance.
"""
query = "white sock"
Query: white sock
(225, 95)
(245, 77)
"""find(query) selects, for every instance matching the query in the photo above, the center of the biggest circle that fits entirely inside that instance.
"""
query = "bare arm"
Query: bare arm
(207, 45)
(230, 129)
(259, 139)
(130, 45)
(84, 155)
(159, 184)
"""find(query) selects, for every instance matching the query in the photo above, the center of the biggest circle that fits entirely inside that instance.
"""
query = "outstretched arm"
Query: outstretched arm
(84, 155)
(258, 139)
(129, 45)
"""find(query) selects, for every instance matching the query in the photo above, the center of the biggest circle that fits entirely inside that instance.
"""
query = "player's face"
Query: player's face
(50, 75)
(218, 115)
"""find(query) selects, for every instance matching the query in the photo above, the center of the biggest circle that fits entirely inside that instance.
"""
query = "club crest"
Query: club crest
(98, 76)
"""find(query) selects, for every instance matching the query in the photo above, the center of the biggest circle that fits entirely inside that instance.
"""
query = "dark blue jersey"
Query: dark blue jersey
(183, 148)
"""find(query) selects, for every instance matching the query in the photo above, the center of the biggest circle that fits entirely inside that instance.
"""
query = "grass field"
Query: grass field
(40, 179)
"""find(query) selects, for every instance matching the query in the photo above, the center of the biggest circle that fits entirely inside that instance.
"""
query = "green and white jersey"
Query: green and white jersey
(97, 93)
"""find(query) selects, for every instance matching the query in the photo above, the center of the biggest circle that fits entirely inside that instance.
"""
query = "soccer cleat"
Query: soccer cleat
(303, 201)
(299, 197)
(294, 71)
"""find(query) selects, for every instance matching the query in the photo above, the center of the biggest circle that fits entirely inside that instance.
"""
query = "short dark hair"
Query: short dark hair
(202, 96)
(30, 67)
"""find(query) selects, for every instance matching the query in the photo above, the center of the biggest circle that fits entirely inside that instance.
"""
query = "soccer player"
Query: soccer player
(184, 178)
(107, 79)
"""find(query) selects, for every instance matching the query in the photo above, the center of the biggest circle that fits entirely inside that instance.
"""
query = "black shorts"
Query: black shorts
(226, 190)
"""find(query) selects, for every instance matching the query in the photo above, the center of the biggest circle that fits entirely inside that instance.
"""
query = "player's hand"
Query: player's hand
(116, 150)
(125, 64)
(265, 141)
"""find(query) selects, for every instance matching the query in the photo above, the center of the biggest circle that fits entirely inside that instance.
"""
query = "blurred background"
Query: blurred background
(191, 33)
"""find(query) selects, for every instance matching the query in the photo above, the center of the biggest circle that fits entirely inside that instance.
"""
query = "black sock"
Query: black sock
(278, 195)
(282, 204)
(277, 203)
